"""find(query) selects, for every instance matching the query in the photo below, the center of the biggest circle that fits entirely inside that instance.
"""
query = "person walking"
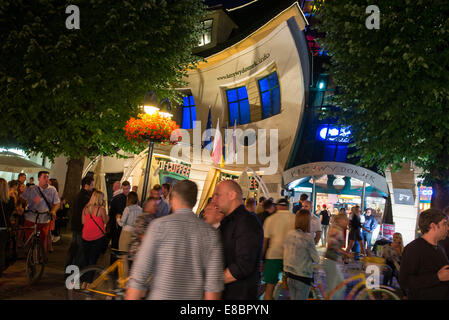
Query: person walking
(275, 230)
(42, 198)
(332, 264)
(166, 187)
(260, 208)
(299, 255)
(140, 227)
(127, 221)
(242, 236)
(355, 228)
(268, 209)
(7, 208)
(424, 273)
(250, 205)
(118, 204)
(315, 223)
(369, 226)
(94, 219)
(181, 253)
(303, 197)
(162, 206)
(325, 219)
(75, 255)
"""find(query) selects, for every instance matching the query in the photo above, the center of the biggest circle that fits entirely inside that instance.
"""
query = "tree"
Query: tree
(393, 83)
(70, 91)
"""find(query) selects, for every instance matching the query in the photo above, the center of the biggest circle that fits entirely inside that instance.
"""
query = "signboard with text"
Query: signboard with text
(178, 168)
(386, 231)
(403, 196)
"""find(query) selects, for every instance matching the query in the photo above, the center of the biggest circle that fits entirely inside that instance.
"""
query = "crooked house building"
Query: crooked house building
(263, 71)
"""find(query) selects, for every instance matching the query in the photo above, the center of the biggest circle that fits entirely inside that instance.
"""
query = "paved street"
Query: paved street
(14, 284)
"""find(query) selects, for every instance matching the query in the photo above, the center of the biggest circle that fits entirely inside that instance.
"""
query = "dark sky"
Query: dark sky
(227, 4)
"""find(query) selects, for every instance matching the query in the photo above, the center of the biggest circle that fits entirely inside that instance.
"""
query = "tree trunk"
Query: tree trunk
(73, 179)
(440, 196)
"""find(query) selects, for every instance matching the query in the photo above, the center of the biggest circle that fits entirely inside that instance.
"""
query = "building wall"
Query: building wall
(404, 216)
(278, 52)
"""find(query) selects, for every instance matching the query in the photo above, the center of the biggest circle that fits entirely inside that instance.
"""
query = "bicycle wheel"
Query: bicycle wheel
(35, 263)
(106, 290)
(382, 293)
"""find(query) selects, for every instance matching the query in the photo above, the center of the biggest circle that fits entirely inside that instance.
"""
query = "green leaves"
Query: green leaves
(73, 90)
(394, 81)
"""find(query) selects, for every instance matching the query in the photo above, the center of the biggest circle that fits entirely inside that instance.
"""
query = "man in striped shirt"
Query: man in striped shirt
(182, 254)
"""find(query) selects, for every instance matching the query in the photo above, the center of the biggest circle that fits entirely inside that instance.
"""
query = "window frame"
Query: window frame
(271, 96)
(190, 111)
(207, 30)
(238, 104)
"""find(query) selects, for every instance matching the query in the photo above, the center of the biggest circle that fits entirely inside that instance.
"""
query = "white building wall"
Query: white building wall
(404, 216)
(208, 89)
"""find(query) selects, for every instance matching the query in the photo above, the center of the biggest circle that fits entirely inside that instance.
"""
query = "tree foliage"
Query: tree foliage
(393, 82)
(70, 92)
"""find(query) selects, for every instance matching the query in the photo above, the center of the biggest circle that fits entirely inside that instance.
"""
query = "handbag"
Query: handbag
(105, 238)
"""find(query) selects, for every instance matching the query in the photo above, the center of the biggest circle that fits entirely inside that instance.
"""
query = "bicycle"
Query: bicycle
(36, 257)
(105, 286)
(360, 290)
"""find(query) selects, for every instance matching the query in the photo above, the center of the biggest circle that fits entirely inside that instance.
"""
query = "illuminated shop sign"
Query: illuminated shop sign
(253, 185)
(425, 194)
(179, 168)
(334, 134)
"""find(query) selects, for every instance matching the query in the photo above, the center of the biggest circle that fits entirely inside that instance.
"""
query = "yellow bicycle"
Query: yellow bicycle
(360, 290)
(104, 284)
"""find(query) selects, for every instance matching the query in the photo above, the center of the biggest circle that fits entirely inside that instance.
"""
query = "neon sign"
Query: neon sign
(334, 134)
(425, 194)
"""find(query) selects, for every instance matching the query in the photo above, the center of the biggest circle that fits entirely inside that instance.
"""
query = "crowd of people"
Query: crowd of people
(232, 247)
(20, 204)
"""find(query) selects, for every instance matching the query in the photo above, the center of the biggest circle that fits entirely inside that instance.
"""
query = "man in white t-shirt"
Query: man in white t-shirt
(43, 199)
(315, 223)
(275, 228)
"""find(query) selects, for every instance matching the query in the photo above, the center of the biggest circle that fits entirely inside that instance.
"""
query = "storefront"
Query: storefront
(425, 198)
(338, 185)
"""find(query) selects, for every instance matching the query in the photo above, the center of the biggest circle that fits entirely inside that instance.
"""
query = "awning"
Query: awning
(11, 162)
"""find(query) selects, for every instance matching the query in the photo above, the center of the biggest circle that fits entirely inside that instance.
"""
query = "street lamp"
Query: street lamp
(151, 106)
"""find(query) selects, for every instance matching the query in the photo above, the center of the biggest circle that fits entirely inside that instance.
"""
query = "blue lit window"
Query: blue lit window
(188, 113)
(238, 105)
(270, 94)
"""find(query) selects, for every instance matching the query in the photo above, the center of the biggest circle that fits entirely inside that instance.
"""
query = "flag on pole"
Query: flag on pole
(208, 141)
(218, 148)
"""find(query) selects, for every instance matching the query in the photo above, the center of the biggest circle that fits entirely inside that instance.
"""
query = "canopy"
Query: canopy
(12, 162)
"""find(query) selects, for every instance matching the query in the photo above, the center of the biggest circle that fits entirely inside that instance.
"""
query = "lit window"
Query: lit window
(238, 105)
(270, 94)
(206, 37)
(188, 113)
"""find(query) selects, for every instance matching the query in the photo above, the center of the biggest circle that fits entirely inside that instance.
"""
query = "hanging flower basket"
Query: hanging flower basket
(151, 127)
